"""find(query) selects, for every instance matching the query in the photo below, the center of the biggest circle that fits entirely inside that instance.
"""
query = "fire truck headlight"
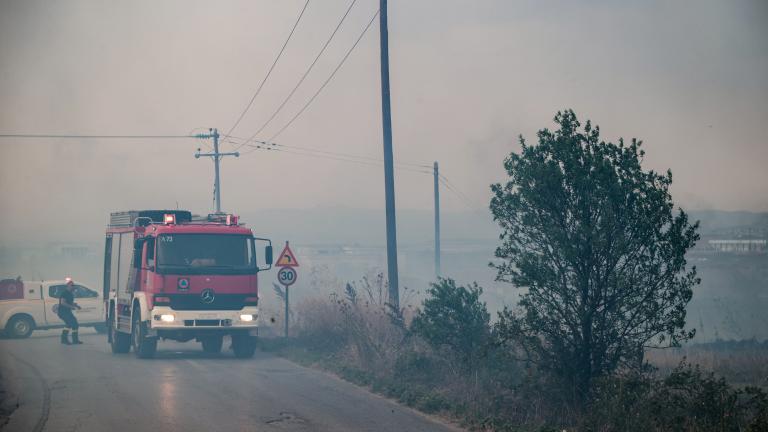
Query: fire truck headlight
(167, 318)
(246, 317)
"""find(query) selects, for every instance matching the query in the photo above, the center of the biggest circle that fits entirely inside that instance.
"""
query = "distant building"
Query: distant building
(70, 250)
(739, 246)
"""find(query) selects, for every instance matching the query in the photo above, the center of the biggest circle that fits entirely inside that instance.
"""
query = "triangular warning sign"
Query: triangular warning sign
(287, 258)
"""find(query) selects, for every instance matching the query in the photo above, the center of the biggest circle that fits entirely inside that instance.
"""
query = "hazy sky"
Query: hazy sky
(690, 78)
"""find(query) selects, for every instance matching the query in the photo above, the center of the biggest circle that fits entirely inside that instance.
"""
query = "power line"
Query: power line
(327, 155)
(305, 151)
(352, 155)
(361, 162)
(269, 72)
(237, 141)
(333, 156)
(312, 151)
(373, 162)
(328, 80)
(457, 194)
(463, 198)
(67, 136)
(315, 150)
(312, 99)
(309, 69)
(454, 189)
(269, 147)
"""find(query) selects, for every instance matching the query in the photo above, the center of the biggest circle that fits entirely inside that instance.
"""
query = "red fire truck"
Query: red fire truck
(168, 275)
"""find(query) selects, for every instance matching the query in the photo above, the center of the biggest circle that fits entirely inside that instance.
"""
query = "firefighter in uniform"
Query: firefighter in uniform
(65, 311)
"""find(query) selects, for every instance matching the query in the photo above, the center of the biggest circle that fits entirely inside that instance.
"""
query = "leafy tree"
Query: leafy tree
(454, 317)
(594, 240)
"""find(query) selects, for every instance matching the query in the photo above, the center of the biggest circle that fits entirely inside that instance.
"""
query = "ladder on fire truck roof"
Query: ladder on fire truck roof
(127, 218)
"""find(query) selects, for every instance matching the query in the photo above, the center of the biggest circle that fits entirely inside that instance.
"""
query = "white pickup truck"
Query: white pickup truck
(26, 306)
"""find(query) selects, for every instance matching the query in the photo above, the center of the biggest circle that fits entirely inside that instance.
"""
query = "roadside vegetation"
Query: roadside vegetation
(596, 246)
(446, 358)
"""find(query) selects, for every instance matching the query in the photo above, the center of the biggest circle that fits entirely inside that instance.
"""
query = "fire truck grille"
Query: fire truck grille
(220, 302)
(206, 323)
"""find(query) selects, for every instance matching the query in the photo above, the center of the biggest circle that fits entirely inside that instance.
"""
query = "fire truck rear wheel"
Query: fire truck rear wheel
(143, 346)
(244, 346)
(212, 344)
(120, 342)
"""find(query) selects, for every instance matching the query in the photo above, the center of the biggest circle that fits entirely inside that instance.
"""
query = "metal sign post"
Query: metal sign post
(287, 276)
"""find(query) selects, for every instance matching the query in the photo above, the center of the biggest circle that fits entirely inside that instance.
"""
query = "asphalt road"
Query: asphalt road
(87, 388)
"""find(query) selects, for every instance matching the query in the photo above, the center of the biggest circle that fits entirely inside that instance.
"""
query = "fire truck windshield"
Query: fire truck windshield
(205, 254)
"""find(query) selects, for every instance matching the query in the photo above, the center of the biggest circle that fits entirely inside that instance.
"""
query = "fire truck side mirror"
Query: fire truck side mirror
(267, 253)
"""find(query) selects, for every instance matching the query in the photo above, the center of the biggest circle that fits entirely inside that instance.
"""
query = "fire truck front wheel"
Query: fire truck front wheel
(144, 347)
(243, 345)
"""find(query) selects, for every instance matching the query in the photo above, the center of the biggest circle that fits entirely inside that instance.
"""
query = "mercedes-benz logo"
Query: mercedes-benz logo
(207, 296)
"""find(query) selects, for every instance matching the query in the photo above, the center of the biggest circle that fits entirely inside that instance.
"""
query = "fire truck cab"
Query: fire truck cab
(169, 275)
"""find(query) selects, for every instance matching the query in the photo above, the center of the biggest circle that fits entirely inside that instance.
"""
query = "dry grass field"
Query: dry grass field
(741, 363)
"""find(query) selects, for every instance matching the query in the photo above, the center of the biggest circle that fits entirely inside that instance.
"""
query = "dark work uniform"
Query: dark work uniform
(68, 317)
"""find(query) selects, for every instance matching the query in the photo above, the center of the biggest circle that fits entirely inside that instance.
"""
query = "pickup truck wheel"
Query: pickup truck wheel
(143, 346)
(20, 327)
(212, 344)
(120, 342)
(244, 346)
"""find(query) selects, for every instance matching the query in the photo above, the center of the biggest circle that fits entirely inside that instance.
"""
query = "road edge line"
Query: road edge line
(45, 409)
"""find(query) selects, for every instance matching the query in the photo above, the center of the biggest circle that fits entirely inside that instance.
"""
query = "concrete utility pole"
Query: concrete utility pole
(437, 222)
(214, 133)
(389, 176)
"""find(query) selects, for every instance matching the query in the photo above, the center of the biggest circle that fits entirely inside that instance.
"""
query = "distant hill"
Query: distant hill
(732, 224)
(366, 227)
(415, 227)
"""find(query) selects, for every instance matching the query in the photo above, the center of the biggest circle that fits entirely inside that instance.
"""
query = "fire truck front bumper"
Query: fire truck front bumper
(165, 318)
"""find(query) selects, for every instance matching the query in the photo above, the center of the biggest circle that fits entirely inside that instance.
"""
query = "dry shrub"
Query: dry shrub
(370, 343)
(359, 327)
(319, 326)
(687, 399)
(375, 340)
(360, 337)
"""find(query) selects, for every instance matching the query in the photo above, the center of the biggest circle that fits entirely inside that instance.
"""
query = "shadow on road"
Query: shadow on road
(165, 350)
(198, 355)
(47, 334)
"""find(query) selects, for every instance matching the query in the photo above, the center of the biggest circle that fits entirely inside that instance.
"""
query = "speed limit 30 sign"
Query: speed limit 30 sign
(287, 263)
(287, 276)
